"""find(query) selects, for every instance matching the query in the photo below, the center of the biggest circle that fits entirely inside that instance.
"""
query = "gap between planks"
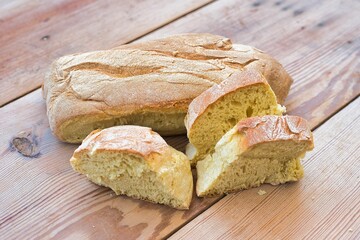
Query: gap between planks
(314, 106)
(273, 225)
(356, 98)
(335, 112)
(151, 30)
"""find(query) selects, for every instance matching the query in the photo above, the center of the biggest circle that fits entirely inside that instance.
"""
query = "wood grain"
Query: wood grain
(323, 205)
(318, 42)
(44, 190)
(42, 197)
(34, 33)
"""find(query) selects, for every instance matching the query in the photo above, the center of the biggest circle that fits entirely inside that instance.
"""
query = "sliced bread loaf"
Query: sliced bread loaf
(218, 109)
(137, 162)
(257, 150)
(149, 83)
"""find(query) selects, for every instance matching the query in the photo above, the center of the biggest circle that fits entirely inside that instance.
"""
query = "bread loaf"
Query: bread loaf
(218, 109)
(137, 162)
(257, 150)
(149, 83)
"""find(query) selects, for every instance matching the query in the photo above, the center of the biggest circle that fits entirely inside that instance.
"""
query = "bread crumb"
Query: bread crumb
(351, 230)
(312, 198)
(261, 192)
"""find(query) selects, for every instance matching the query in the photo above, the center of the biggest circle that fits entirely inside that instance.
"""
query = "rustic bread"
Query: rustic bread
(137, 162)
(149, 83)
(257, 150)
(218, 109)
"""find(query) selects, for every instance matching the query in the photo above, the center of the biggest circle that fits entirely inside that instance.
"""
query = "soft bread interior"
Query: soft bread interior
(165, 180)
(230, 169)
(280, 150)
(165, 123)
(220, 117)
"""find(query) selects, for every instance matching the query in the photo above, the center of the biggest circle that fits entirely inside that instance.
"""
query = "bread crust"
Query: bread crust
(258, 130)
(136, 140)
(245, 150)
(205, 100)
(158, 76)
(135, 152)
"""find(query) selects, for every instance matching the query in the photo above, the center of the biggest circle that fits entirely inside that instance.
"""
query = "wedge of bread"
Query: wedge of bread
(137, 162)
(257, 150)
(218, 109)
(149, 83)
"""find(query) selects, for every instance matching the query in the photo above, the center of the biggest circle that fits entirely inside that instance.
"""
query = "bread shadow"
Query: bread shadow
(178, 142)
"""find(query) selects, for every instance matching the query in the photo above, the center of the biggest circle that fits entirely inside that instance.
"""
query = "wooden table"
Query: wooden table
(318, 42)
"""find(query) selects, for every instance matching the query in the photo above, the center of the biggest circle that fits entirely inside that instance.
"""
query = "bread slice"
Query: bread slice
(150, 83)
(257, 150)
(218, 109)
(137, 162)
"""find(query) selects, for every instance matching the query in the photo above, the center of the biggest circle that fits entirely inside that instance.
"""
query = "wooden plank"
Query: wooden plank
(34, 33)
(58, 202)
(317, 42)
(43, 197)
(324, 205)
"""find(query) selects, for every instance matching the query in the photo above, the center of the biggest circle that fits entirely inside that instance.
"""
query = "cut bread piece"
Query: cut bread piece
(257, 150)
(218, 109)
(137, 162)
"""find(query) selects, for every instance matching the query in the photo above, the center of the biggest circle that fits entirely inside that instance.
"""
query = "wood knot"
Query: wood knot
(298, 12)
(321, 24)
(285, 8)
(257, 3)
(26, 143)
(45, 38)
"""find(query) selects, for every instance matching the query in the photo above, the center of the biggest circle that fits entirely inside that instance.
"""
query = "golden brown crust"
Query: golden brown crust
(207, 98)
(137, 162)
(274, 73)
(130, 139)
(271, 128)
(151, 76)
